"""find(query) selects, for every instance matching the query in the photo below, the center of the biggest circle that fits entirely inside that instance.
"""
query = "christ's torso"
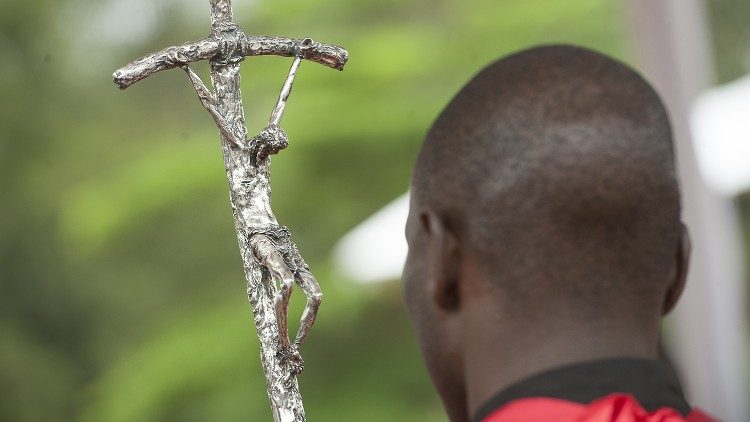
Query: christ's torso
(251, 198)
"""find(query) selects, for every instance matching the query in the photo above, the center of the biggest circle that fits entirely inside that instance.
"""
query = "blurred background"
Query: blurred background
(122, 296)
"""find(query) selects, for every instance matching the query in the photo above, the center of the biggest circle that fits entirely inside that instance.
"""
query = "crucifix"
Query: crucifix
(268, 254)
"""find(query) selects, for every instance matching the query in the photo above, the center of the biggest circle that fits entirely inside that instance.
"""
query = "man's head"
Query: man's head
(544, 202)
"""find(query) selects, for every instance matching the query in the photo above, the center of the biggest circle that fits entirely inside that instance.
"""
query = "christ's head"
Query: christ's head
(544, 225)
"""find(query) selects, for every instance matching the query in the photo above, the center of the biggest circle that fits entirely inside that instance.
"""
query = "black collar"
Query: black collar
(651, 382)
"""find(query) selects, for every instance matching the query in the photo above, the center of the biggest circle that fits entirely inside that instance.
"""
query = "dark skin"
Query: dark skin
(474, 343)
(472, 359)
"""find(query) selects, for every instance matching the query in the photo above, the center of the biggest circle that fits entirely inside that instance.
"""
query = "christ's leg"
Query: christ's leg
(271, 259)
(310, 286)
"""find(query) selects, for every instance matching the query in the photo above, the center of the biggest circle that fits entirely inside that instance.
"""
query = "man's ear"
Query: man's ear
(677, 284)
(443, 261)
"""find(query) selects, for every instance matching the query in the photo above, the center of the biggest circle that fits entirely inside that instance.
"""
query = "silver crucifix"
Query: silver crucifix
(268, 254)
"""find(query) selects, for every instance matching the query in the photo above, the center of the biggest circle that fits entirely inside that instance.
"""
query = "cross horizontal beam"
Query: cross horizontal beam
(210, 48)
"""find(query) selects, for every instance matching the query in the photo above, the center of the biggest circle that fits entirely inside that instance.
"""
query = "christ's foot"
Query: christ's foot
(290, 357)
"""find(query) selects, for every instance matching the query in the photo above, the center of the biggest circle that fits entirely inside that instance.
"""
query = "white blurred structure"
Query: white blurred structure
(721, 135)
(376, 249)
(709, 341)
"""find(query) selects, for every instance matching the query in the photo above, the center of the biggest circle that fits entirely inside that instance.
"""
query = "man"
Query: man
(545, 244)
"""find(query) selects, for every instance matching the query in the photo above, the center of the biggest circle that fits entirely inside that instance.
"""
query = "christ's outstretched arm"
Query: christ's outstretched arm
(209, 103)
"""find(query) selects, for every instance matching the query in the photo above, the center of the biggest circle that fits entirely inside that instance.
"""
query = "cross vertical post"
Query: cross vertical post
(284, 396)
(268, 255)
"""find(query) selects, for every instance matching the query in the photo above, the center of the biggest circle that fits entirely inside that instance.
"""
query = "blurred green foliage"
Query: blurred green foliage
(122, 289)
(731, 37)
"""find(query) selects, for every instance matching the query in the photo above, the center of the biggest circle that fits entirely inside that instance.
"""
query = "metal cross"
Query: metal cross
(267, 252)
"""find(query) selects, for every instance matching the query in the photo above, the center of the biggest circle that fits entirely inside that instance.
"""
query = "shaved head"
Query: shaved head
(544, 223)
(555, 167)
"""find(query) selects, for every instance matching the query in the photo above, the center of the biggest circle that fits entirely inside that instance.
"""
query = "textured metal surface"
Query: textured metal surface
(210, 48)
(268, 254)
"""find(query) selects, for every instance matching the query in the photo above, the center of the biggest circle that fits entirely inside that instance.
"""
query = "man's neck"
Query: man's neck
(493, 363)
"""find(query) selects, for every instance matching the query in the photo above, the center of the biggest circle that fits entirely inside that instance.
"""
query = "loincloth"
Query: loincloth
(280, 236)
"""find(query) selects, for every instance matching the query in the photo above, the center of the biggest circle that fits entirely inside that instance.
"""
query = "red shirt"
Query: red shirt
(613, 408)
(611, 390)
